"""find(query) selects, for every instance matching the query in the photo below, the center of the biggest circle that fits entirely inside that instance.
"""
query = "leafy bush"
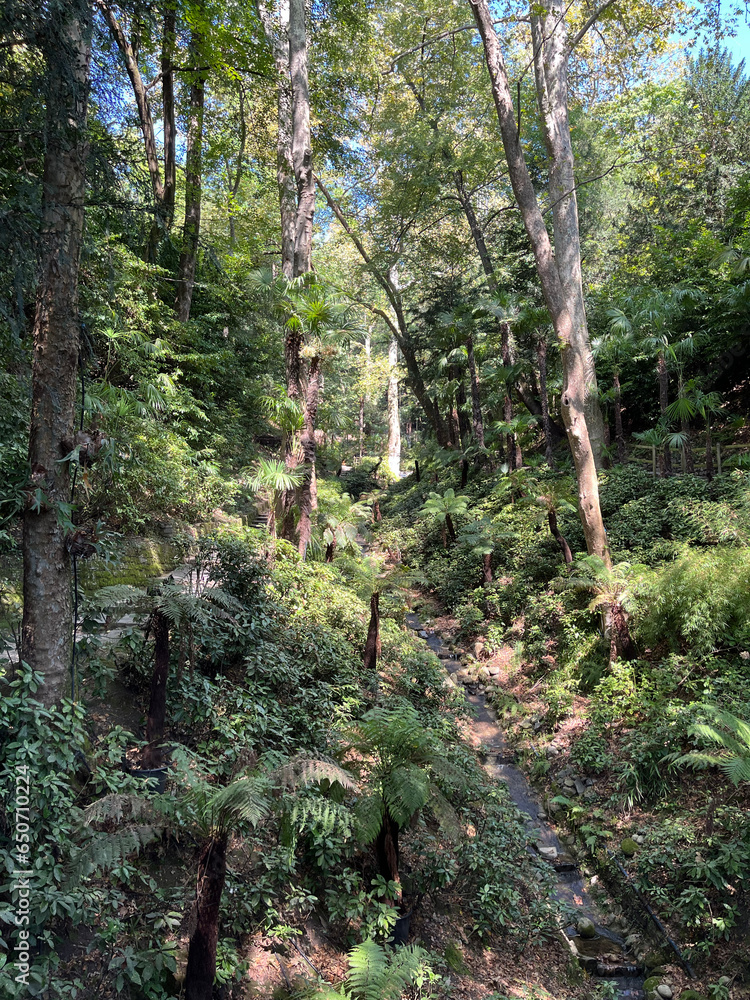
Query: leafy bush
(702, 601)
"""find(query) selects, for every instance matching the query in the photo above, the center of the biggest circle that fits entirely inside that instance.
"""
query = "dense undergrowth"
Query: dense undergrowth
(270, 682)
(658, 732)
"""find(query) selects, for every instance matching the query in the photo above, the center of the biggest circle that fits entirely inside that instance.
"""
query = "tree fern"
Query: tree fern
(377, 974)
(730, 736)
(105, 851)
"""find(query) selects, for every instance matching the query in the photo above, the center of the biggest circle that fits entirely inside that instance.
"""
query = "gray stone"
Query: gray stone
(552, 750)
(569, 783)
(541, 815)
(550, 853)
(478, 649)
(422, 634)
(580, 787)
(664, 991)
(586, 928)
(493, 670)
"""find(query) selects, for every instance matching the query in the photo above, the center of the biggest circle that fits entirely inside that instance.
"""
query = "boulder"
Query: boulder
(664, 991)
(586, 928)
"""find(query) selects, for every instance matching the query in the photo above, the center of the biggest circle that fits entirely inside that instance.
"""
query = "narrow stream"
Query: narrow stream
(602, 954)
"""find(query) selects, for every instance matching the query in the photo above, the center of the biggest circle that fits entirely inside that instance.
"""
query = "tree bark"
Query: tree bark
(201, 963)
(663, 377)
(157, 707)
(169, 41)
(550, 51)
(387, 852)
(301, 138)
(330, 550)
(576, 377)
(541, 356)
(307, 442)
(193, 183)
(558, 536)
(372, 646)
(621, 645)
(46, 627)
(394, 420)
(709, 451)
(487, 568)
(477, 419)
(622, 455)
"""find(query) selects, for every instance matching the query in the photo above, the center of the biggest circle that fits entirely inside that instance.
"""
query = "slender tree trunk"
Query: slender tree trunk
(709, 451)
(541, 355)
(169, 41)
(361, 427)
(487, 567)
(46, 627)
(575, 361)
(301, 138)
(559, 537)
(451, 528)
(372, 646)
(157, 706)
(417, 473)
(201, 963)
(663, 376)
(193, 181)
(685, 428)
(621, 645)
(330, 550)
(394, 418)
(549, 39)
(308, 452)
(477, 419)
(622, 455)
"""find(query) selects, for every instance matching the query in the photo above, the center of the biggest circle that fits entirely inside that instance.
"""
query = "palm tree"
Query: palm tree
(271, 479)
(558, 497)
(613, 589)
(444, 508)
(170, 608)
(401, 760)
(219, 811)
(615, 348)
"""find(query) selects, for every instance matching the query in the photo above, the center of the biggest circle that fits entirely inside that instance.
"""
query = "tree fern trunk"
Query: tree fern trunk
(157, 708)
(372, 646)
(386, 852)
(487, 568)
(559, 537)
(201, 963)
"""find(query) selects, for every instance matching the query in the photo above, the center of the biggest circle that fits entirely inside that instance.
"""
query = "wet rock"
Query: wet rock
(586, 928)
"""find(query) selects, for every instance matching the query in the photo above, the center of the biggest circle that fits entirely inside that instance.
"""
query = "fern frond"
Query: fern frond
(107, 850)
(244, 800)
(405, 791)
(116, 806)
(368, 812)
(117, 595)
(367, 965)
(304, 771)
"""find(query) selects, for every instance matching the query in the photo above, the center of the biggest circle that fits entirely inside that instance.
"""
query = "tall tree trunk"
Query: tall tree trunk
(622, 455)
(169, 41)
(394, 417)
(464, 426)
(709, 450)
(193, 170)
(550, 48)
(372, 645)
(157, 706)
(477, 420)
(663, 377)
(687, 449)
(301, 138)
(201, 963)
(541, 356)
(307, 442)
(575, 361)
(46, 627)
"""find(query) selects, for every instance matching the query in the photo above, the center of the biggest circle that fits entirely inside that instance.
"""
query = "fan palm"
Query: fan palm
(270, 478)
(444, 508)
(612, 587)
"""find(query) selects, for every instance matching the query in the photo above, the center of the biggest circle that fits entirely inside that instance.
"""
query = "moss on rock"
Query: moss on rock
(139, 561)
(628, 847)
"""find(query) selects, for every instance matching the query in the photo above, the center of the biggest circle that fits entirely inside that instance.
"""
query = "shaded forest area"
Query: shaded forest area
(375, 506)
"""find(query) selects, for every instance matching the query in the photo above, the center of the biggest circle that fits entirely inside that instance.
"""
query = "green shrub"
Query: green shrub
(702, 601)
